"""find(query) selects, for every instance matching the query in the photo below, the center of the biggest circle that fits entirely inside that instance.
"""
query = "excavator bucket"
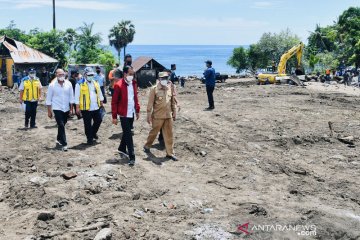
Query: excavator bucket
(296, 80)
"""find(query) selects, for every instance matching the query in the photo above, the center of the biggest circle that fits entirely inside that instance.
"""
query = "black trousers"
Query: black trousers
(61, 120)
(161, 136)
(209, 91)
(92, 122)
(127, 139)
(103, 93)
(30, 113)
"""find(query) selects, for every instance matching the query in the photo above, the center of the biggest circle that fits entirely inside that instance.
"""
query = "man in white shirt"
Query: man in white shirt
(60, 100)
(89, 99)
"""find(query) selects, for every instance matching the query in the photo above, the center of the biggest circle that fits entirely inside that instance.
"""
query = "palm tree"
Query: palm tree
(88, 44)
(121, 35)
(87, 38)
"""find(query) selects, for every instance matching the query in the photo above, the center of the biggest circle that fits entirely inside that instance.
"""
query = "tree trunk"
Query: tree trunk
(124, 52)
(119, 53)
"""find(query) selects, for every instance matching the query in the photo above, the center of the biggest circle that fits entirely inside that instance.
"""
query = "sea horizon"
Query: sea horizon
(189, 59)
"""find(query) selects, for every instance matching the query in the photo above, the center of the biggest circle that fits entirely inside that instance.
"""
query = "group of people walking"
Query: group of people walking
(87, 97)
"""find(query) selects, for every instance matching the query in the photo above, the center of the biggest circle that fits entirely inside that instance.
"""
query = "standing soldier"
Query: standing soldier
(88, 100)
(30, 94)
(161, 112)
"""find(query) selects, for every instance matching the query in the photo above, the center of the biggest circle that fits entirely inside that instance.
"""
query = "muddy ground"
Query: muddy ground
(264, 156)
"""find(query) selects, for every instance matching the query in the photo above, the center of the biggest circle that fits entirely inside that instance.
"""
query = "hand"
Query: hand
(149, 119)
(174, 116)
(21, 101)
(40, 99)
(101, 104)
(115, 121)
(137, 116)
(50, 115)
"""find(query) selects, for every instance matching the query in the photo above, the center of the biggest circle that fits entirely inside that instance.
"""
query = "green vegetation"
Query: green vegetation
(328, 47)
(79, 46)
(269, 48)
(121, 35)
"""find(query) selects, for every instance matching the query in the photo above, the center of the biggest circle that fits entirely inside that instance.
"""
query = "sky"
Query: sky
(182, 22)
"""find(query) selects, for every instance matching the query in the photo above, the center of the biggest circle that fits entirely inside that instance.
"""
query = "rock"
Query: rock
(38, 180)
(45, 216)
(136, 196)
(32, 237)
(297, 140)
(347, 140)
(207, 210)
(70, 164)
(203, 153)
(33, 168)
(257, 210)
(69, 175)
(138, 214)
(104, 234)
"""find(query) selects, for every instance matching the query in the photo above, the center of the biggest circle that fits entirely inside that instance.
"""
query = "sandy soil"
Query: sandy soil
(264, 156)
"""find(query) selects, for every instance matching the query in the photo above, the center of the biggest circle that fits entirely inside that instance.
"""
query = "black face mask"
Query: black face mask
(98, 71)
(128, 63)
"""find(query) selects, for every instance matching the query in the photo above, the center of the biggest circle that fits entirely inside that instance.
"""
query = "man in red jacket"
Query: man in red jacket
(125, 103)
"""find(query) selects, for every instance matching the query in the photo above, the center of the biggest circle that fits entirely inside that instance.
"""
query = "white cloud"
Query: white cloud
(265, 4)
(72, 4)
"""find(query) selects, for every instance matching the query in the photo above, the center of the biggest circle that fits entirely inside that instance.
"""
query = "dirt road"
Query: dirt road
(264, 157)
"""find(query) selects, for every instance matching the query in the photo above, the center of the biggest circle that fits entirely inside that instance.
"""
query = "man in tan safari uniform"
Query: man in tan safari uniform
(161, 112)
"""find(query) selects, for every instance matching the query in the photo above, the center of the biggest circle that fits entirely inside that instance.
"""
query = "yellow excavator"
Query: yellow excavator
(276, 77)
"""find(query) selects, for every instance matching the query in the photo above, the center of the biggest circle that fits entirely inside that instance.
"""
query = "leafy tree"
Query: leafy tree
(269, 48)
(348, 27)
(239, 59)
(322, 40)
(107, 59)
(15, 33)
(121, 35)
(51, 43)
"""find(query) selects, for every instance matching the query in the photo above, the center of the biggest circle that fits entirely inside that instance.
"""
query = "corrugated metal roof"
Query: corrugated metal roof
(24, 54)
(140, 62)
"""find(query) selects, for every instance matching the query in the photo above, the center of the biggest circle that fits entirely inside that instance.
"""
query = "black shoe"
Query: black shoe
(34, 126)
(131, 163)
(26, 125)
(146, 150)
(208, 109)
(172, 158)
(90, 143)
(96, 137)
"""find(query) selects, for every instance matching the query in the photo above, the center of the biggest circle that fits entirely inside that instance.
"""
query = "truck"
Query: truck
(280, 75)
(218, 77)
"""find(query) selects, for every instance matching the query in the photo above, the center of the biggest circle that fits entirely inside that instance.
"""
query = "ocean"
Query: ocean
(189, 59)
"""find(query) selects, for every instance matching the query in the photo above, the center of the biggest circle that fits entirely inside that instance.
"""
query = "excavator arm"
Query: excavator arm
(298, 50)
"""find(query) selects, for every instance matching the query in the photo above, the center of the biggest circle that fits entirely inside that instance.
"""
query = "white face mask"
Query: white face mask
(164, 82)
(90, 78)
(61, 79)
(32, 75)
(129, 79)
